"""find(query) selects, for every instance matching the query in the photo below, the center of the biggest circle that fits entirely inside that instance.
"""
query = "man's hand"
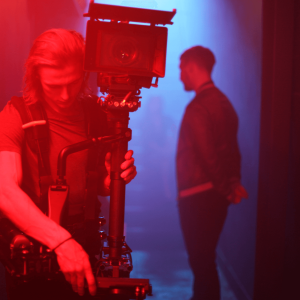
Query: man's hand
(75, 265)
(238, 192)
(128, 166)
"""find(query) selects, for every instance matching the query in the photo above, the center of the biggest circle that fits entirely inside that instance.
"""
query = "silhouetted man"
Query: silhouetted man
(208, 168)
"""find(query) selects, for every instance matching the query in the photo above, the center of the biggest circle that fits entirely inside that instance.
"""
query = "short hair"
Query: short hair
(54, 48)
(202, 56)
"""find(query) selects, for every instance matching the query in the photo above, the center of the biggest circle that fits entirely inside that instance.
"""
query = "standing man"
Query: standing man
(208, 168)
(55, 87)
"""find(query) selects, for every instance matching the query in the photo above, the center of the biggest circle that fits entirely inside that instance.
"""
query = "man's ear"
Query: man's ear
(198, 71)
(188, 67)
(192, 68)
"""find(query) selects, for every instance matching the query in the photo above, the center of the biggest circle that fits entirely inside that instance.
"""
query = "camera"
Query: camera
(126, 54)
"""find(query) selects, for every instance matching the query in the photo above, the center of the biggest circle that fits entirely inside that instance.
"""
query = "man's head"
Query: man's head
(53, 51)
(196, 65)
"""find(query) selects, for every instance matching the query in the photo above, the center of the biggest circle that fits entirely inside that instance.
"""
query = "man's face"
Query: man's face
(61, 86)
(185, 75)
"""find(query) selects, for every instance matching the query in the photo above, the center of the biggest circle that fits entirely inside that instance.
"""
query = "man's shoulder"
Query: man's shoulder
(91, 103)
(204, 98)
(208, 99)
(95, 114)
(11, 132)
(210, 94)
(9, 111)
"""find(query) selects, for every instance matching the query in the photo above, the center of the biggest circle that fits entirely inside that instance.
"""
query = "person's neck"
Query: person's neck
(200, 79)
(67, 113)
(203, 84)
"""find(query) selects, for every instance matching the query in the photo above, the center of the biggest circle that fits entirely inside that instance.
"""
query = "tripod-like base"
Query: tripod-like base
(123, 288)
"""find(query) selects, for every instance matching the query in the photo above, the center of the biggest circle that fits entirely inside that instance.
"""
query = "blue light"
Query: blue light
(232, 30)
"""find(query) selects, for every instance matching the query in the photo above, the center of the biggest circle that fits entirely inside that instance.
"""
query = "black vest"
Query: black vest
(37, 138)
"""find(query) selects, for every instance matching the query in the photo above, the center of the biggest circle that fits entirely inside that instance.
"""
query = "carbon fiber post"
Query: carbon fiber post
(118, 122)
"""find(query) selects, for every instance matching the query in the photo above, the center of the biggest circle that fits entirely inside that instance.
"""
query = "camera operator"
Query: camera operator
(208, 168)
(55, 79)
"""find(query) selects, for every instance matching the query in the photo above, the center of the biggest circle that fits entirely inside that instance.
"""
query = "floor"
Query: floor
(166, 286)
(158, 253)
(167, 283)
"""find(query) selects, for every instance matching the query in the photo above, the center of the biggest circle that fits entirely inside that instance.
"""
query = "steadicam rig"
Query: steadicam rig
(127, 48)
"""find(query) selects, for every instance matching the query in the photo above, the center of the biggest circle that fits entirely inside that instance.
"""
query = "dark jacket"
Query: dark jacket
(207, 148)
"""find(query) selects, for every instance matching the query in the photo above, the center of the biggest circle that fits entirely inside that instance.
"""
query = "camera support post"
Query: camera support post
(118, 104)
(127, 56)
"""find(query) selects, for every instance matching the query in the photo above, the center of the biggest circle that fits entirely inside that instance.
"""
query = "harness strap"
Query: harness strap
(37, 138)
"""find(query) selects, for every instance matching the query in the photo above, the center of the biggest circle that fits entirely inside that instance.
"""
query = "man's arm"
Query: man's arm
(20, 209)
(201, 128)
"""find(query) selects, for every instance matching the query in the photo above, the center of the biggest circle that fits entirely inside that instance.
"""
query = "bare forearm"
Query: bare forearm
(20, 209)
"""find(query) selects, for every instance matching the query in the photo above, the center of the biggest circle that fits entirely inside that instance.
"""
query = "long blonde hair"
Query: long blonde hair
(53, 48)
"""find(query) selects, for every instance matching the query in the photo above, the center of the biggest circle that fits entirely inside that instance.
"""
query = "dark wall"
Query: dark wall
(15, 43)
(20, 23)
(48, 14)
(236, 251)
(277, 252)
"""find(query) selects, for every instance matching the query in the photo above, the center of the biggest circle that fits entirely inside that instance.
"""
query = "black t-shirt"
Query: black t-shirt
(63, 131)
